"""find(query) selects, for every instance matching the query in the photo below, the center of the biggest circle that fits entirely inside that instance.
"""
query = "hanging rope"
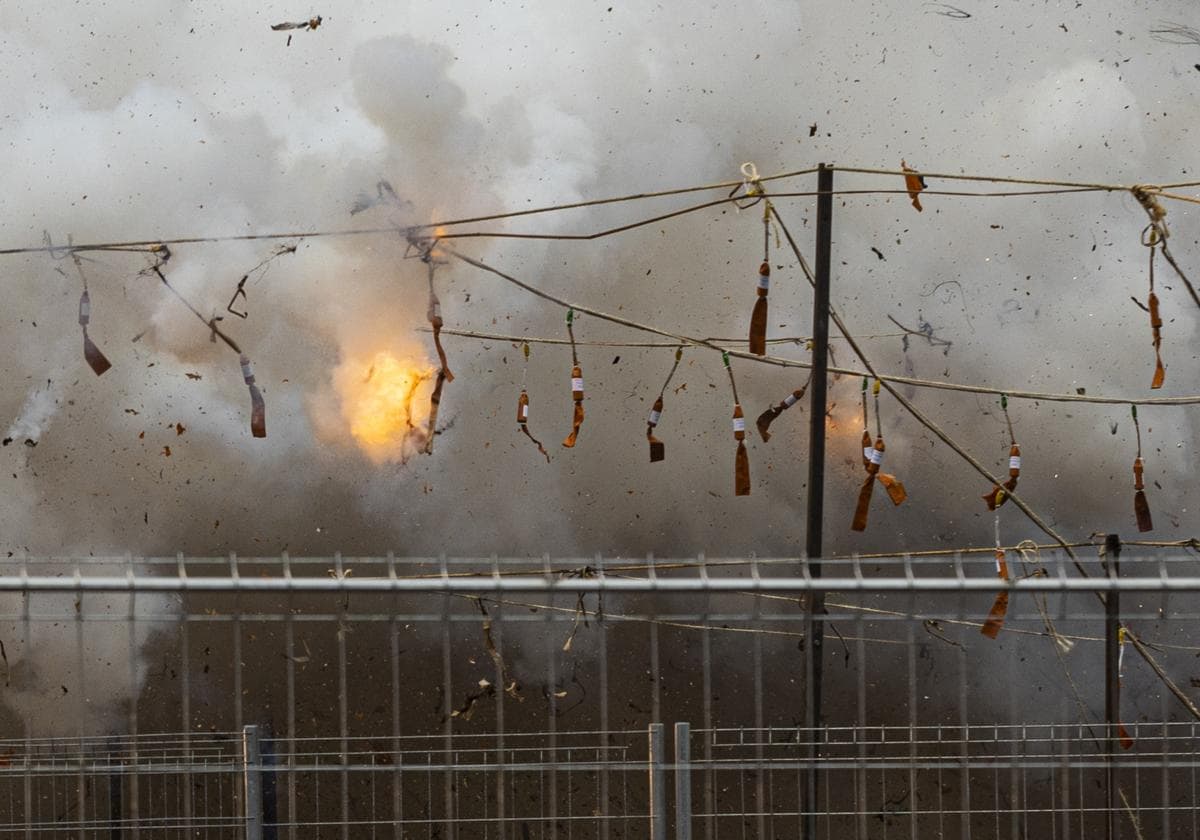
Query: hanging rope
(999, 494)
(576, 384)
(96, 360)
(1141, 508)
(741, 464)
(1147, 196)
(1150, 238)
(523, 406)
(658, 451)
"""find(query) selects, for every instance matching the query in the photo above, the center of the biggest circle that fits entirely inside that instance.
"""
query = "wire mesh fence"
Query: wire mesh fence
(386, 697)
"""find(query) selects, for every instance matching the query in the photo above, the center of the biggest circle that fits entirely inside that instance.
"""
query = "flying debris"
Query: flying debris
(914, 183)
(309, 25)
(384, 194)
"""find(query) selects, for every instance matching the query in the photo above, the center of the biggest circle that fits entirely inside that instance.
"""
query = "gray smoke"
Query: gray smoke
(147, 122)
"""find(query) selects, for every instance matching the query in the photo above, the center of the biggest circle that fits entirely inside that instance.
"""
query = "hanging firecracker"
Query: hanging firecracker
(873, 461)
(741, 467)
(758, 316)
(523, 407)
(576, 385)
(999, 494)
(1141, 507)
(999, 611)
(768, 417)
(658, 450)
(258, 408)
(96, 360)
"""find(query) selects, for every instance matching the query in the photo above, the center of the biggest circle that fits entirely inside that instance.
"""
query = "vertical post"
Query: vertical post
(114, 807)
(658, 787)
(270, 786)
(252, 783)
(814, 628)
(683, 782)
(1112, 684)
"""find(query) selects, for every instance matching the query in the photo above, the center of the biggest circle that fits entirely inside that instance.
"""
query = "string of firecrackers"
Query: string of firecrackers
(872, 459)
(96, 360)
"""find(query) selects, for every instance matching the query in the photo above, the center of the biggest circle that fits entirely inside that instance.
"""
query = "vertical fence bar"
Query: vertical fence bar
(683, 781)
(658, 784)
(270, 789)
(814, 631)
(252, 783)
(114, 806)
(1112, 685)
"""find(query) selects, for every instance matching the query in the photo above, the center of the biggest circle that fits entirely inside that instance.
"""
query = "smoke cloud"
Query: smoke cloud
(152, 122)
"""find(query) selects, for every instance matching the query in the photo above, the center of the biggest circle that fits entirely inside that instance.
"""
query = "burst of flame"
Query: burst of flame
(382, 404)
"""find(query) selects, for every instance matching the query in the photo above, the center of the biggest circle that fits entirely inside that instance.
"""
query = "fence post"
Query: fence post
(252, 783)
(658, 788)
(683, 782)
(1112, 686)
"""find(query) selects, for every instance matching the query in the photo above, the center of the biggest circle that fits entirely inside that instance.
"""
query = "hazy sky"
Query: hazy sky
(160, 120)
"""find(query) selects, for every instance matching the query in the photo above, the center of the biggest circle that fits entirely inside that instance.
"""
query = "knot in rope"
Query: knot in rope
(1147, 196)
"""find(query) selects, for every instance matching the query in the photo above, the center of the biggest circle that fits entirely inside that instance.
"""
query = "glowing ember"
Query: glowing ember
(383, 406)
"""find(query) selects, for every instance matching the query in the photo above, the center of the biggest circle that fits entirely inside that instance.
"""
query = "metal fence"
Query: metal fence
(386, 697)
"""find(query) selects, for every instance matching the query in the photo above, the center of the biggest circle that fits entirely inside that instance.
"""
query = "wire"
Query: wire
(1067, 187)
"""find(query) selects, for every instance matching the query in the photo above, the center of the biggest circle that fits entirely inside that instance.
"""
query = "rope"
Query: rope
(717, 344)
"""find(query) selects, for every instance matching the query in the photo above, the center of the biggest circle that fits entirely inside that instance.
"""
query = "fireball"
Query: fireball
(382, 404)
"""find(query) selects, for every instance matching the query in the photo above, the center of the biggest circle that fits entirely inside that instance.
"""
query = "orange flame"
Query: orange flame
(381, 406)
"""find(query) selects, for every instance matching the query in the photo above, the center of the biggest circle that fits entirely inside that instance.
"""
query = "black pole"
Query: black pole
(1112, 681)
(814, 630)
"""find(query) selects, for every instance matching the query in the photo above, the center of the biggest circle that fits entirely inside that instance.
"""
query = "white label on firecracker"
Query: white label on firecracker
(435, 310)
(524, 413)
(739, 424)
(867, 450)
(999, 557)
(247, 371)
(577, 383)
(655, 416)
(764, 281)
(789, 400)
(876, 456)
(1014, 462)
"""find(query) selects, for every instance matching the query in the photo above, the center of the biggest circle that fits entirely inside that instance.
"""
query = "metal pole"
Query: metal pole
(270, 785)
(1112, 684)
(658, 787)
(683, 782)
(114, 806)
(252, 783)
(814, 629)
